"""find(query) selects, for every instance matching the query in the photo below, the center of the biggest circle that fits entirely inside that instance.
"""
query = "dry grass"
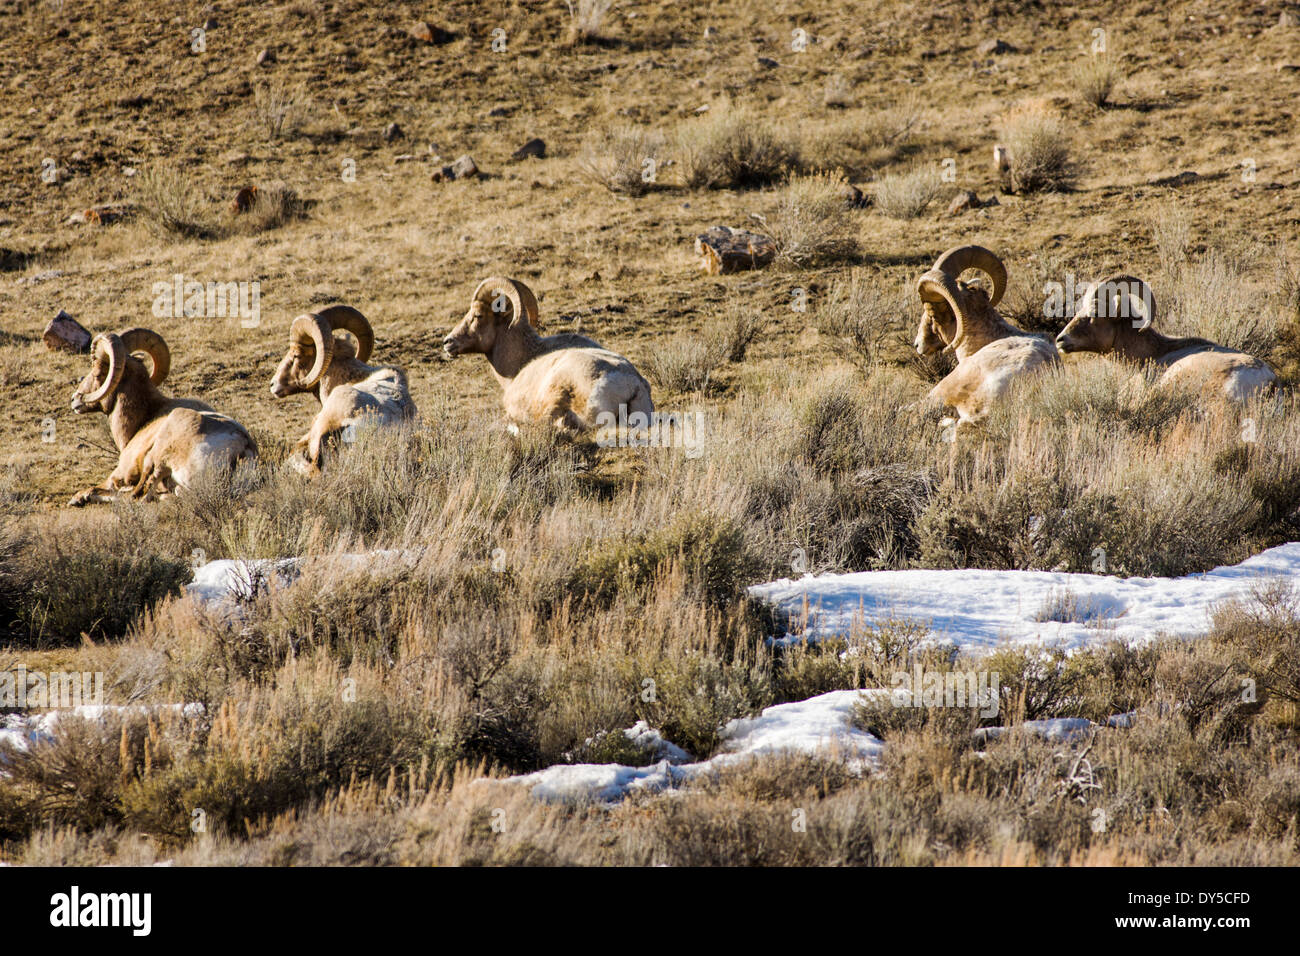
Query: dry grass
(623, 159)
(734, 146)
(171, 203)
(1039, 148)
(1096, 77)
(587, 18)
(811, 223)
(908, 194)
(623, 565)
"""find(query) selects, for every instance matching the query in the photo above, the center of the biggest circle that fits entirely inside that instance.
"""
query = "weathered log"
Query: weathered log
(723, 250)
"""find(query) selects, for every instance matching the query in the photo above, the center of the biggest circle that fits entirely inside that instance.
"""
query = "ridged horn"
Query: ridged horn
(1122, 285)
(960, 258)
(490, 286)
(153, 345)
(110, 342)
(945, 284)
(310, 329)
(350, 320)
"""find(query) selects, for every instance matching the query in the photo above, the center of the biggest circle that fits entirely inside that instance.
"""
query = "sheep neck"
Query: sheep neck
(981, 329)
(513, 349)
(136, 403)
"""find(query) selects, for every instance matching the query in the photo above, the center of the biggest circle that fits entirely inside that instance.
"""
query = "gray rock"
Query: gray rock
(533, 148)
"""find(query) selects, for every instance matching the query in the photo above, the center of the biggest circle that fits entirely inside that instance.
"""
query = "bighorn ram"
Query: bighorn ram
(1104, 325)
(991, 352)
(567, 380)
(350, 392)
(163, 443)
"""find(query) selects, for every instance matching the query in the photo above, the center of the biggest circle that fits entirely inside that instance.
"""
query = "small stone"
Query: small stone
(994, 47)
(464, 168)
(710, 33)
(962, 201)
(392, 131)
(210, 23)
(428, 33)
(498, 111)
(66, 333)
(767, 63)
(534, 148)
(234, 157)
(265, 57)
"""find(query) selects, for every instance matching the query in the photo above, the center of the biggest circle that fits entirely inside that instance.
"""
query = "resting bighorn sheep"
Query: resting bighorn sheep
(567, 380)
(991, 352)
(350, 392)
(163, 443)
(1104, 325)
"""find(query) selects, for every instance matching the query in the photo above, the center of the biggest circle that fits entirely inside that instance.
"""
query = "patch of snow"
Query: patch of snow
(819, 725)
(224, 580)
(979, 609)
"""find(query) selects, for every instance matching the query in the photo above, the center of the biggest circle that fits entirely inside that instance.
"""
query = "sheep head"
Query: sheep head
(948, 302)
(113, 364)
(1104, 311)
(498, 304)
(313, 347)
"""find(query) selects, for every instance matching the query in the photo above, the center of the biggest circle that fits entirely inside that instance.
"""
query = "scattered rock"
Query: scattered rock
(404, 158)
(723, 250)
(767, 63)
(244, 199)
(234, 158)
(533, 148)
(392, 131)
(11, 260)
(65, 333)
(1288, 68)
(428, 33)
(210, 23)
(266, 57)
(995, 47)
(128, 171)
(462, 168)
(962, 201)
(1286, 20)
(710, 33)
(42, 277)
(498, 111)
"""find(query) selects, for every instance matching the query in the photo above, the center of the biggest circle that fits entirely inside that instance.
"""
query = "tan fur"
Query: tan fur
(163, 443)
(566, 380)
(1189, 362)
(351, 394)
(991, 352)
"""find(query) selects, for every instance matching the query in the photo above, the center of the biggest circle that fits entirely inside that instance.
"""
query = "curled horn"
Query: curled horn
(945, 284)
(311, 329)
(153, 345)
(960, 258)
(350, 320)
(493, 284)
(1122, 286)
(110, 342)
(528, 299)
